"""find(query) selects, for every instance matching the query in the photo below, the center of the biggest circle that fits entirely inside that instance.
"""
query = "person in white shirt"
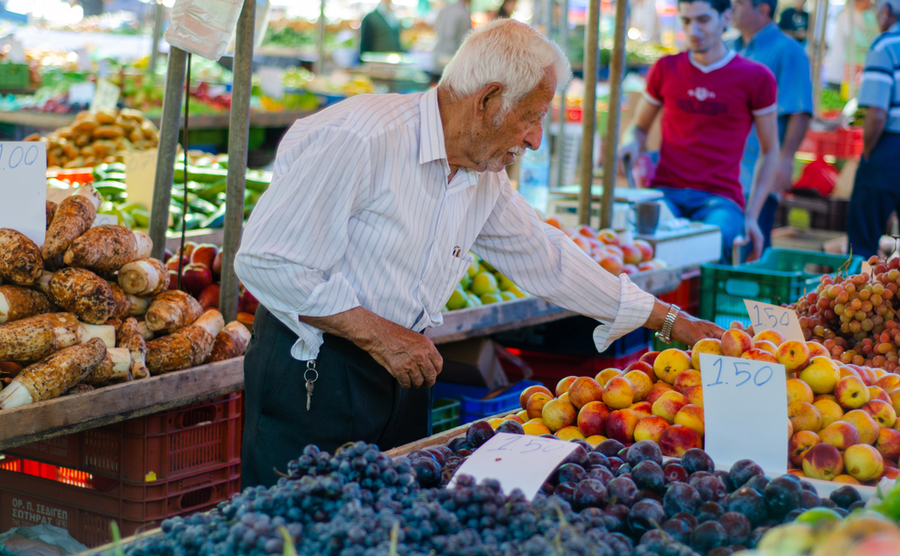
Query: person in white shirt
(364, 233)
(451, 26)
(838, 68)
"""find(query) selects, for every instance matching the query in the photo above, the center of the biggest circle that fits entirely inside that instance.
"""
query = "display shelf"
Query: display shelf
(46, 120)
(111, 404)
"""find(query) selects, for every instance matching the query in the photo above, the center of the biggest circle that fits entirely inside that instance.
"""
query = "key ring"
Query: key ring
(311, 366)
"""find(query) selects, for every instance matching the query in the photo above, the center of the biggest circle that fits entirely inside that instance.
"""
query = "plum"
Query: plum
(428, 471)
(695, 460)
(708, 536)
(710, 488)
(681, 497)
(649, 475)
(783, 495)
(844, 496)
(609, 447)
(645, 515)
(758, 483)
(748, 502)
(570, 472)
(736, 526)
(602, 474)
(590, 493)
(622, 490)
(479, 432)
(565, 491)
(643, 451)
(511, 426)
(709, 511)
(742, 471)
(677, 529)
(675, 473)
(597, 459)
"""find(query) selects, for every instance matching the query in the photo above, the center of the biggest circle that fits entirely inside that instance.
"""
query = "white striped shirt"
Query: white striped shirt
(359, 213)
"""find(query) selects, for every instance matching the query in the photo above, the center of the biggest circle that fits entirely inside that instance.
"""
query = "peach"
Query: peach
(611, 264)
(888, 382)
(535, 428)
(526, 393)
(816, 349)
(851, 393)
(649, 357)
(515, 418)
(766, 346)
(847, 371)
(595, 440)
(535, 405)
(496, 422)
(823, 461)
(865, 425)
(686, 379)
(568, 433)
(888, 444)
(564, 397)
(707, 345)
(839, 434)
(694, 395)
(825, 397)
(584, 390)
(650, 428)
(608, 236)
(798, 391)
(876, 393)
(620, 425)
(821, 374)
(670, 363)
(630, 253)
(656, 393)
(606, 375)
(894, 395)
(618, 393)
(735, 342)
(558, 413)
(591, 418)
(641, 409)
(845, 479)
(799, 444)
(640, 384)
(678, 439)
(863, 462)
(793, 354)
(646, 249)
(644, 367)
(691, 416)
(523, 415)
(668, 405)
(804, 417)
(830, 411)
(882, 412)
(563, 385)
(893, 474)
(770, 335)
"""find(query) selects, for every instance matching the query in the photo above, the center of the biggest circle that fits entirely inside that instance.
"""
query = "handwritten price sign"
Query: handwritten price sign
(764, 316)
(501, 458)
(106, 96)
(23, 187)
(141, 176)
(744, 411)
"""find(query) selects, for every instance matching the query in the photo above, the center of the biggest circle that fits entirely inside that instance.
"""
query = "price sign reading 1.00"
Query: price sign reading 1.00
(13, 155)
(744, 411)
(23, 187)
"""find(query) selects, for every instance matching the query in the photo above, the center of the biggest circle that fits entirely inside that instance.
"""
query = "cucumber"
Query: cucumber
(215, 220)
(203, 175)
(210, 192)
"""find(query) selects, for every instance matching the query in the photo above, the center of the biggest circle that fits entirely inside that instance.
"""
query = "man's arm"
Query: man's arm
(634, 140)
(763, 179)
(796, 129)
(686, 329)
(873, 127)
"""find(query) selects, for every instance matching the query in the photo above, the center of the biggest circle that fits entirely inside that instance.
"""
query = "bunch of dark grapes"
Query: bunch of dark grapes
(853, 317)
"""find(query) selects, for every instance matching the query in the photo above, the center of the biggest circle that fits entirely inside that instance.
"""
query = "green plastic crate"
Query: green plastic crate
(659, 345)
(780, 276)
(444, 415)
(14, 76)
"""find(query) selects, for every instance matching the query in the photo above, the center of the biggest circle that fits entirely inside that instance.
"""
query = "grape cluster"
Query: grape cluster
(604, 501)
(853, 317)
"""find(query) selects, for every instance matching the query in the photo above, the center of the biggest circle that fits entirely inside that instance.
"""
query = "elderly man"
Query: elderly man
(364, 233)
(875, 192)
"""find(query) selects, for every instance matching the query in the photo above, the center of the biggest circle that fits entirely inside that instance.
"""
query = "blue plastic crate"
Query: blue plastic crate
(473, 407)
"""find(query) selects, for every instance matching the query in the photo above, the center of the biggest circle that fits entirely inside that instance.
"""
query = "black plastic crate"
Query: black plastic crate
(824, 214)
(573, 336)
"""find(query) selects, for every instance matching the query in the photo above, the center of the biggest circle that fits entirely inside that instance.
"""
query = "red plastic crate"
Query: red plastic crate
(31, 493)
(839, 143)
(549, 368)
(169, 444)
(687, 295)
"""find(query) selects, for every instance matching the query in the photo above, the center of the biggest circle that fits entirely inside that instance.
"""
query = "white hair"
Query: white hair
(506, 52)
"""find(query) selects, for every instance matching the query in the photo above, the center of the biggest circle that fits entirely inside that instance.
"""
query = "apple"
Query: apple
(557, 414)
(735, 342)
(823, 461)
(173, 279)
(770, 335)
(195, 278)
(766, 346)
(649, 357)
(631, 254)
(694, 395)
(584, 390)
(608, 236)
(882, 412)
(172, 263)
(611, 264)
(851, 393)
(863, 462)
(209, 297)
(804, 417)
(816, 349)
(670, 363)
(641, 409)
(706, 345)
(606, 375)
(620, 425)
(644, 367)
(217, 265)
(821, 374)
(247, 303)
(568, 433)
(640, 384)
(563, 385)
(888, 444)
(535, 405)
(865, 425)
(618, 393)
(591, 418)
(831, 411)
(800, 443)
(204, 254)
(650, 428)
(526, 393)
(678, 439)
(646, 249)
(757, 354)
(668, 405)
(691, 416)
(798, 391)
(839, 434)
(686, 379)
(794, 355)
(188, 248)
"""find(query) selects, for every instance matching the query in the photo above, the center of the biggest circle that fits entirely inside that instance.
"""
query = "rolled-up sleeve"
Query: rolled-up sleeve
(298, 231)
(545, 262)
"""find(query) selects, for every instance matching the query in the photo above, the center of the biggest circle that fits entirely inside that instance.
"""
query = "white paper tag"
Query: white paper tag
(140, 176)
(502, 458)
(745, 411)
(23, 188)
(106, 96)
(271, 82)
(764, 316)
(105, 219)
(82, 93)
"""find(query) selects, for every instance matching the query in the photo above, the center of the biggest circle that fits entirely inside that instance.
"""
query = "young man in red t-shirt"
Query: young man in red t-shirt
(711, 97)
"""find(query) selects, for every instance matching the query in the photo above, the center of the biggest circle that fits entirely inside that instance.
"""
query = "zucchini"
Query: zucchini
(215, 220)
(203, 175)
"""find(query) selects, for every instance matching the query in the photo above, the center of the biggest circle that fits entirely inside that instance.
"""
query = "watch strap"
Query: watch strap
(665, 332)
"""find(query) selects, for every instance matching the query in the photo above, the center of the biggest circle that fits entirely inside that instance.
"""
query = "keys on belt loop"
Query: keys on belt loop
(310, 380)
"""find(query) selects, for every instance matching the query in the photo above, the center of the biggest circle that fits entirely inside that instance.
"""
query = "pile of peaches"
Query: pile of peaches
(842, 425)
(616, 253)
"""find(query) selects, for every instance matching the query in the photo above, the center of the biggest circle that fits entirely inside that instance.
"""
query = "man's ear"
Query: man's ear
(726, 17)
(487, 100)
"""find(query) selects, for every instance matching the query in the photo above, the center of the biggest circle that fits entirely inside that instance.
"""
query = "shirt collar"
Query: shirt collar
(431, 132)
(739, 42)
(714, 66)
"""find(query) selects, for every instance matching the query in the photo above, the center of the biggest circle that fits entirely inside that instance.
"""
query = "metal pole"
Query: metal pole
(589, 112)
(616, 73)
(168, 148)
(560, 137)
(320, 40)
(238, 138)
(851, 54)
(157, 33)
(811, 34)
(820, 53)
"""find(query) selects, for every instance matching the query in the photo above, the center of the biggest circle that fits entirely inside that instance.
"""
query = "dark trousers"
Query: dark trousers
(354, 398)
(876, 194)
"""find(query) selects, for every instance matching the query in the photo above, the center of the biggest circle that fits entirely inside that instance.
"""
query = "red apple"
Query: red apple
(209, 297)
(195, 278)
(172, 263)
(217, 265)
(173, 279)
(247, 303)
(188, 248)
(204, 254)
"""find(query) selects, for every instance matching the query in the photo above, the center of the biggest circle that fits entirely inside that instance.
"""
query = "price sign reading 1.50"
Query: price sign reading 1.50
(744, 411)
(764, 316)
(23, 187)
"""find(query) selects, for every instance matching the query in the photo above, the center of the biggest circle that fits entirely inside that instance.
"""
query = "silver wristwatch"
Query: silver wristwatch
(665, 332)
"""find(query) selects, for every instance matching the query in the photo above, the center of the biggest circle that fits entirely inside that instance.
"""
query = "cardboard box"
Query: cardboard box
(473, 362)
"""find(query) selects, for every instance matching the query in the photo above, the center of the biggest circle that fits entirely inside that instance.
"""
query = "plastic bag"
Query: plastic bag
(39, 540)
(818, 176)
(203, 27)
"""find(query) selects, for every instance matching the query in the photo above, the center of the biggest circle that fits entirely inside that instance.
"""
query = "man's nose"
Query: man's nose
(534, 135)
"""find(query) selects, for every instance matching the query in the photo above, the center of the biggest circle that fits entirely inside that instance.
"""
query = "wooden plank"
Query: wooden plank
(112, 404)
(50, 121)
(40, 120)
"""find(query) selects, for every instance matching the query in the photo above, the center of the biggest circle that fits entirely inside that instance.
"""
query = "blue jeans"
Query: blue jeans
(709, 209)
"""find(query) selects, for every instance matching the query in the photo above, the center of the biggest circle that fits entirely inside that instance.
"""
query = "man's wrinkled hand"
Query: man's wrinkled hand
(690, 330)
(411, 358)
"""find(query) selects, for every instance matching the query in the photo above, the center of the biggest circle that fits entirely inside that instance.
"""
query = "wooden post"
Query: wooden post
(616, 73)
(851, 48)
(168, 148)
(561, 135)
(157, 34)
(238, 138)
(589, 110)
(320, 40)
(817, 61)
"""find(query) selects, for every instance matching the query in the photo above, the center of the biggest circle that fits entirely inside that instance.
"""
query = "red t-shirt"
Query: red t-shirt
(706, 118)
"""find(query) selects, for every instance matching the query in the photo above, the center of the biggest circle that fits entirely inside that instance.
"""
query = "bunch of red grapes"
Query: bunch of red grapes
(853, 317)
